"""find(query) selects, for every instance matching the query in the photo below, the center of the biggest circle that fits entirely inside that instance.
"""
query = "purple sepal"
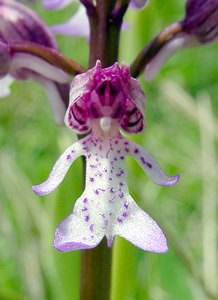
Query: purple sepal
(78, 25)
(56, 4)
(139, 4)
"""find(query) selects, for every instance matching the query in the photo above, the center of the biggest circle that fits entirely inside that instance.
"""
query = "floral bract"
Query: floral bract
(101, 102)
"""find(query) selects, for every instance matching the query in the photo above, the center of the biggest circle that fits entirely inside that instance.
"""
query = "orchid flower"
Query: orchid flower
(101, 102)
(78, 25)
(199, 27)
(21, 25)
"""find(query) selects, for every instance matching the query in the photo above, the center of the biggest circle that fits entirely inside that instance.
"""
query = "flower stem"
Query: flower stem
(105, 21)
(150, 50)
(95, 273)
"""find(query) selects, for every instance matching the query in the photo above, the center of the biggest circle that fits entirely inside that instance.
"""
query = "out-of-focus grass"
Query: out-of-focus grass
(182, 134)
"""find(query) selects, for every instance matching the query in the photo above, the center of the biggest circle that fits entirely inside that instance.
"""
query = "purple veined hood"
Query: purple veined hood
(109, 92)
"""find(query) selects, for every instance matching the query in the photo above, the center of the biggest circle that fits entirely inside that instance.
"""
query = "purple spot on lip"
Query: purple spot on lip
(112, 190)
(121, 184)
(121, 195)
(122, 157)
(125, 214)
(87, 218)
(136, 150)
(68, 156)
(91, 179)
(126, 205)
(91, 227)
(145, 162)
(119, 220)
(84, 209)
(85, 200)
(93, 166)
(127, 149)
(119, 174)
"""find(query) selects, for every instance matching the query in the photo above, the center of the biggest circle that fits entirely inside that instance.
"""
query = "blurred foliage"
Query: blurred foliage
(182, 134)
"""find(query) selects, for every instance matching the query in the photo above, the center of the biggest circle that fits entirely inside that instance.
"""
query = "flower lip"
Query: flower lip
(109, 92)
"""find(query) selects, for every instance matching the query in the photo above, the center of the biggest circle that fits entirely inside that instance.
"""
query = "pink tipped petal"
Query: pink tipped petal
(180, 42)
(74, 233)
(56, 4)
(150, 166)
(29, 62)
(139, 4)
(59, 170)
(5, 84)
(141, 230)
(78, 25)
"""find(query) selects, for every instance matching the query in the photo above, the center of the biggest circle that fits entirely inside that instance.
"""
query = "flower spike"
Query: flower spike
(101, 102)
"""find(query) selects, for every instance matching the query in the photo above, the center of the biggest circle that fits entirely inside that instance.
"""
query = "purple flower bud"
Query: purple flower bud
(20, 25)
(201, 20)
(200, 26)
(109, 92)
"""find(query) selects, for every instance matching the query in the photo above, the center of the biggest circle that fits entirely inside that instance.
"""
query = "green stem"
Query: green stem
(96, 273)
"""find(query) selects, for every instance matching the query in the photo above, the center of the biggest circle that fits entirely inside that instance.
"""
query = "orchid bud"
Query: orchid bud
(200, 26)
(201, 20)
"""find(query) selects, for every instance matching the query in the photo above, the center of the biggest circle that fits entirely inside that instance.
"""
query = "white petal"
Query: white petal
(165, 53)
(60, 169)
(5, 84)
(78, 25)
(151, 166)
(76, 233)
(54, 98)
(141, 230)
(30, 62)
(56, 4)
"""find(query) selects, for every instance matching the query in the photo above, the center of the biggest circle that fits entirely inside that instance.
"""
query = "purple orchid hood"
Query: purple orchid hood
(19, 24)
(110, 93)
(102, 101)
(199, 27)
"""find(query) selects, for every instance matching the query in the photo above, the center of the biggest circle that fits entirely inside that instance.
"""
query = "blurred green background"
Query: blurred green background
(182, 132)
